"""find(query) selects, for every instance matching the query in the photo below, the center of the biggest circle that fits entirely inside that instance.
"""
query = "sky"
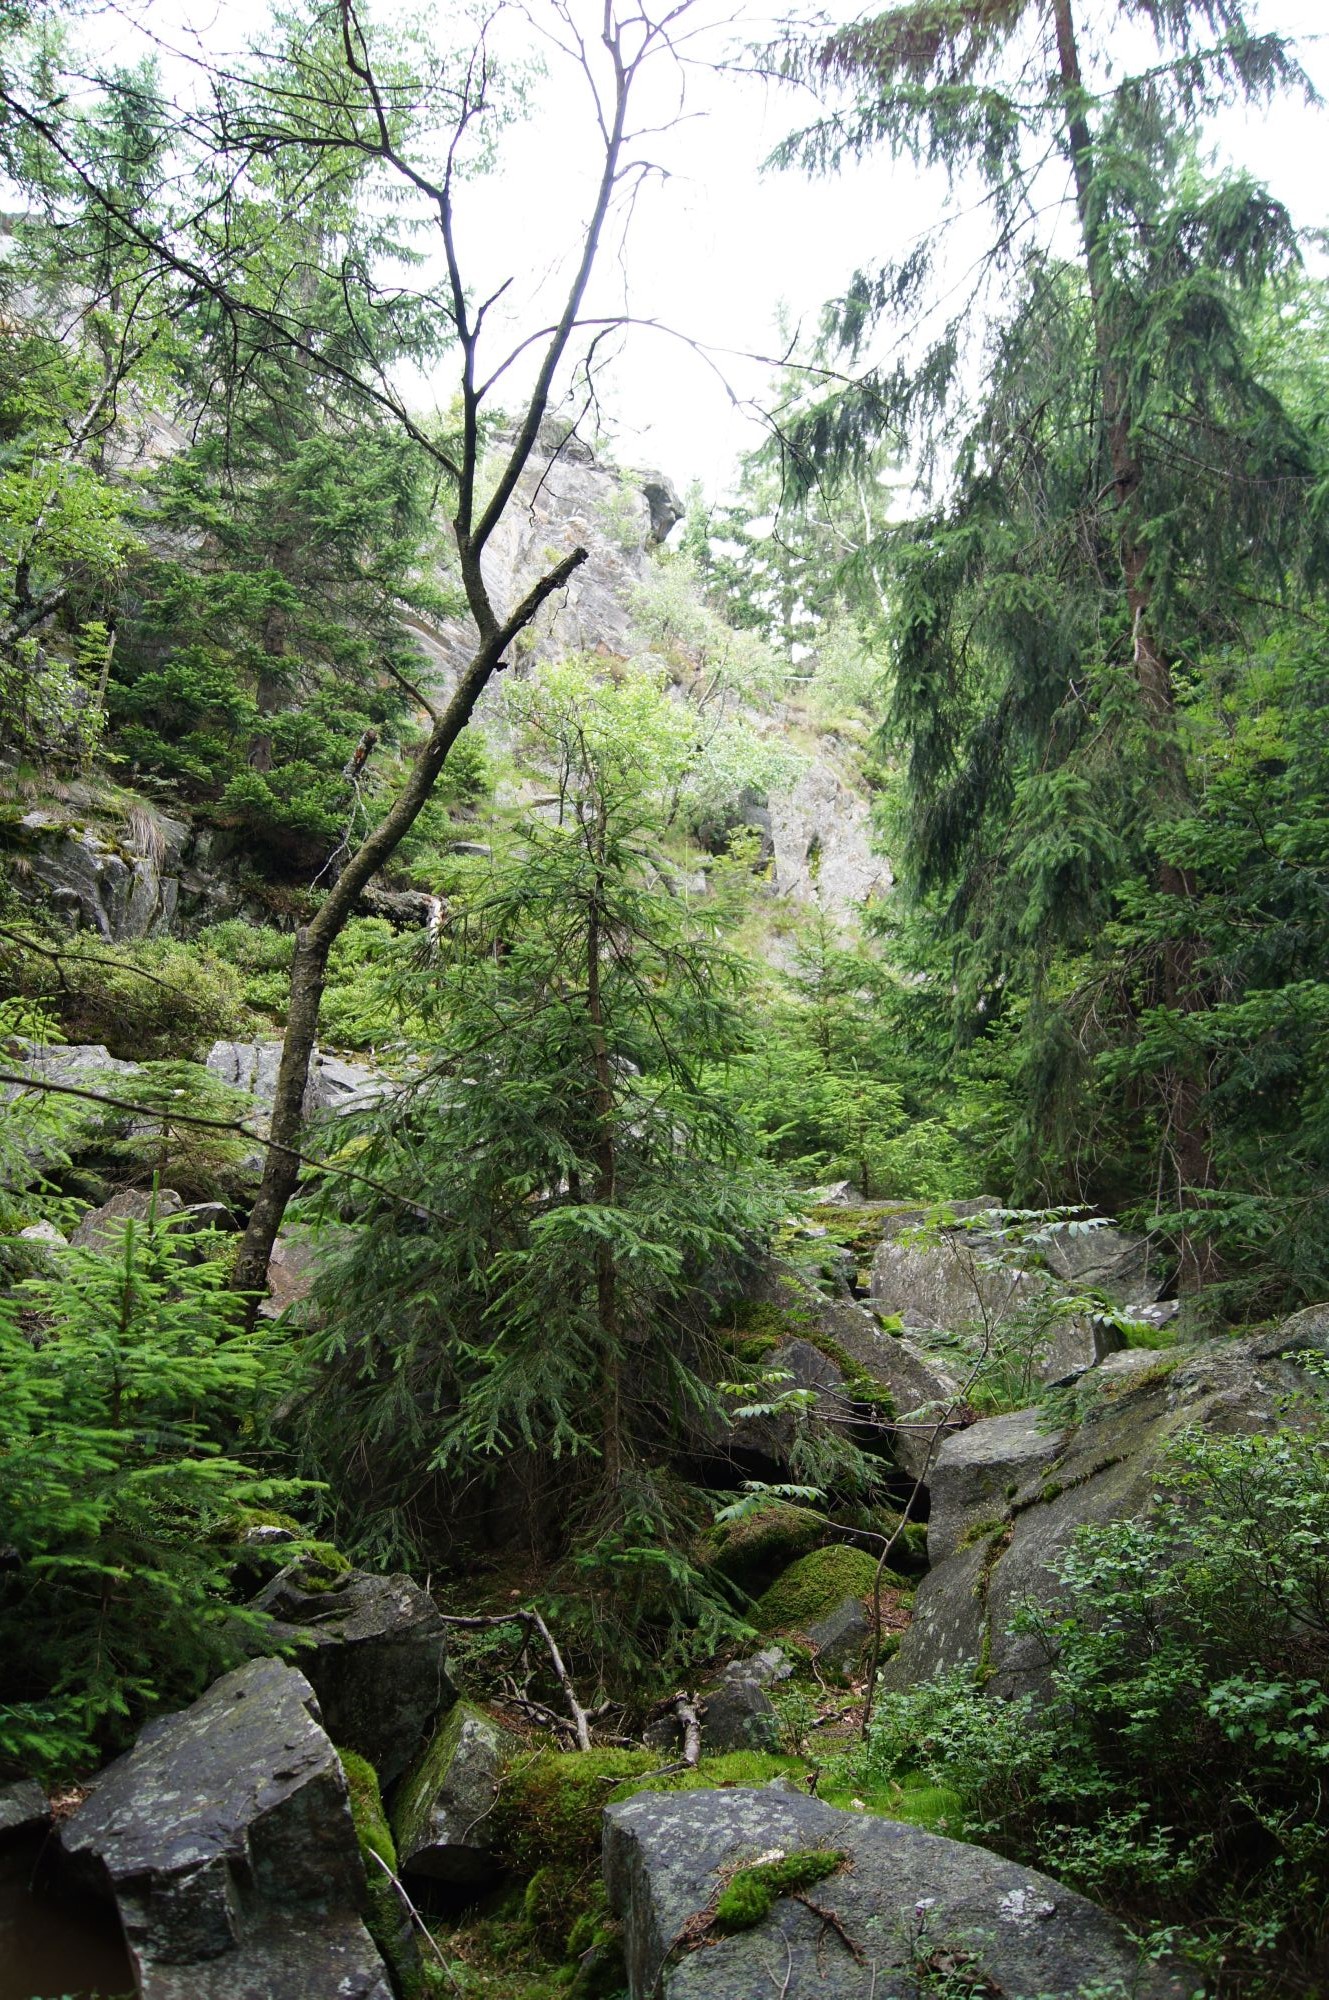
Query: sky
(728, 258)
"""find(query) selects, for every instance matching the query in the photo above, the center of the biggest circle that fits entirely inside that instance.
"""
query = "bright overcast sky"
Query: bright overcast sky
(718, 250)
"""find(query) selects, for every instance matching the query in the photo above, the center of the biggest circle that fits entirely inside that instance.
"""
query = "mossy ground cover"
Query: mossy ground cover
(549, 1932)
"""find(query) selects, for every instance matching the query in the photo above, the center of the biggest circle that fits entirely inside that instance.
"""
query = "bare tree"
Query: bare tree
(628, 39)
(330, 99)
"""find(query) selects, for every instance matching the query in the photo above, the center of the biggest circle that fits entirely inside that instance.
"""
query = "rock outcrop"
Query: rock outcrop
(903, 1907)
(1010, 1493)
(374, 1650)
(225, 1838)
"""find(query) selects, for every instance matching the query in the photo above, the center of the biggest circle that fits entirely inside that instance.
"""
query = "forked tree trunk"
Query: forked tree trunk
(315, 940)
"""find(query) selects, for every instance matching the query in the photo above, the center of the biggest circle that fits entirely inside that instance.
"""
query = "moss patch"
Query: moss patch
(812, 1587)
(754, 1549)
(385, 1919)
(546, 1823)
(750, 1895)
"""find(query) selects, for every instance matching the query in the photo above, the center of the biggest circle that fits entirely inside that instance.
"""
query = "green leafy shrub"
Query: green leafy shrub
(1178, 1768)
(148, 998)
(125, 1382)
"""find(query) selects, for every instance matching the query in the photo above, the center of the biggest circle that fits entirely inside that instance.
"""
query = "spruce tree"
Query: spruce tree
(520, 1323)
(1128, 492)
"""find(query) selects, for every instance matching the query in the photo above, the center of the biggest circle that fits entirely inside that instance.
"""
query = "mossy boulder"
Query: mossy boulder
(814, 1586)
(373, 1648)
(442, 1812)
(754, 1549)
(547, 1819)
(386, 1918)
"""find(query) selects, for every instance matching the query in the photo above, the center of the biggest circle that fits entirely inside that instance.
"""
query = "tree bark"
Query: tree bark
(314, 940)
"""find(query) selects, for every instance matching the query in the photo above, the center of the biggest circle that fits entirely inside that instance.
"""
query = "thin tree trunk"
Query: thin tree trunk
(606, 1177)
(1189, 1138)
(314, 940)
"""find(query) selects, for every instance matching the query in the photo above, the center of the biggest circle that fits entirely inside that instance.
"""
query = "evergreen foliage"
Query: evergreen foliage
(1130, 533)
(567, 1183)
(128, 1387)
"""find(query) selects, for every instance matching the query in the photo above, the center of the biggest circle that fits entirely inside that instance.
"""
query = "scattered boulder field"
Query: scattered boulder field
(281, 1836)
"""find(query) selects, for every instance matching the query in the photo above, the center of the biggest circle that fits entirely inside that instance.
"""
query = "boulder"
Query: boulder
(103, 1228)
(922, 1396)
(333, 1085)
(738, 1715)
(285, 1955)
(442, 1805)
(903, 1898)
(805, 1367)
(23, 1809)
(198, 1216)
(979, 1470)
(841, 1637)
(950, 1282)
(291, 1267)
(1127, 1270)
(1078, 1345)
(44, 1232)
(766, 1668)
(1009, 1496)
(374, 1650)
(225, 1838)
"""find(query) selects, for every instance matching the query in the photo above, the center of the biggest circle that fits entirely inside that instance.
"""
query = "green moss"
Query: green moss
(978, 1531)
(755, 1548)
(321, 1566)
(420, 1786)
(812, 1587)
(546, 1821)
(750, 1895)
(384, 1917)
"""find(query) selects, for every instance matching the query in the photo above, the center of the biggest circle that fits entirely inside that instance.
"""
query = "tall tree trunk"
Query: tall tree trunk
(1188, 1136)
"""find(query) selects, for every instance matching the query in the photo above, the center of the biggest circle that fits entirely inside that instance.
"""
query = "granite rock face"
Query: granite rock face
(1125, 1269)
(225, 1838)
(1011, 1930)
(120, 887)
(949, 1282)
(1009, 1494)
(442, 1805)
(375, 1656)
(821, 838)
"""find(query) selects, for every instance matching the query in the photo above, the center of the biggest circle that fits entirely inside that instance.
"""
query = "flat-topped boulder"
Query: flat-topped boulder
(857, 1934)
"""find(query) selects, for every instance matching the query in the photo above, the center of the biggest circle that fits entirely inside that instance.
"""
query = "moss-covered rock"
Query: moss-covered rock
(546, 1821)
(815, 1585)
(385, 1916)
(752, 1550)
(441, 1816)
